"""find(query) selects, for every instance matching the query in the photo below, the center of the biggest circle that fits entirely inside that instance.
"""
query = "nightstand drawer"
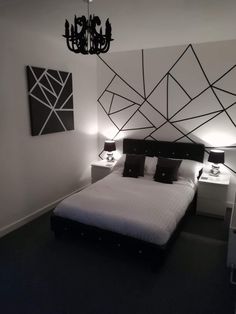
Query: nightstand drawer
(211, 207)
(100, 169)
(212, 194)
(212, 191)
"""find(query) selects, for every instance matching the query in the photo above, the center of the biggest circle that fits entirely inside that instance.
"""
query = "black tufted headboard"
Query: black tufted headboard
(165, 149)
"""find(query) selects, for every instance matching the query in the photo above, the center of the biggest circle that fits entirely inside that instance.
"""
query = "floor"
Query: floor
(42, 275)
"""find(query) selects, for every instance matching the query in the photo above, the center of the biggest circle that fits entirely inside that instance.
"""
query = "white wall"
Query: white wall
(194, 99)
(36, 171)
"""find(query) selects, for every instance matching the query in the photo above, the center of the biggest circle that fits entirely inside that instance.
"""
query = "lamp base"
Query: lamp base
(215, 170)
(110, 157)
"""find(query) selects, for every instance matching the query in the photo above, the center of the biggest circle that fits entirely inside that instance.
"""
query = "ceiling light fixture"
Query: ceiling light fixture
(83, 37)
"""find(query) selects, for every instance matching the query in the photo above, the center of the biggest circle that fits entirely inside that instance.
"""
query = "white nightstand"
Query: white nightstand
(100, 169)
(212, 194)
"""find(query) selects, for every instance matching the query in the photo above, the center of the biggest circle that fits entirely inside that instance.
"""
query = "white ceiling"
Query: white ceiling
(135, 24)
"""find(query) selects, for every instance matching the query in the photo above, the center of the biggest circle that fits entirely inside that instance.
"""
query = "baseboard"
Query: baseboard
(19, 223)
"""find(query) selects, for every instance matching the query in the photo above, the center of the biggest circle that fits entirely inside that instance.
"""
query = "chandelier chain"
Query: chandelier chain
(88, 9)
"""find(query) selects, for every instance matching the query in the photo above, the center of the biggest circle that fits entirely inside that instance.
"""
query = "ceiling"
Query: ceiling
(135, 24)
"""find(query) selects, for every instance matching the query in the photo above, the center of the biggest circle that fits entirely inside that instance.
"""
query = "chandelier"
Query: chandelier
(83, 36)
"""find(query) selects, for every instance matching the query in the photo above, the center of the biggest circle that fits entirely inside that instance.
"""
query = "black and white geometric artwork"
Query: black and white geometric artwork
(50, 99)
(183, 105)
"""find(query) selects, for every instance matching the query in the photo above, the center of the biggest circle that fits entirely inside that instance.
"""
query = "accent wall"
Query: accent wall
(180, 94)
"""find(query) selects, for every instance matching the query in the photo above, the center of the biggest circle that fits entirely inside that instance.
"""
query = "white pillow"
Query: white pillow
(189, 169)
(120, 163)
(150, 165)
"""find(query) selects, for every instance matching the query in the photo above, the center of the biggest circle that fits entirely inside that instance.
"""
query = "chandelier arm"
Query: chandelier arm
(88, 9)
(100, 42)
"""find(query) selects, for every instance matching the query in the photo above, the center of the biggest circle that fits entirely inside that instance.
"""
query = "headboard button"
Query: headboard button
(187, 154)
(173, 153)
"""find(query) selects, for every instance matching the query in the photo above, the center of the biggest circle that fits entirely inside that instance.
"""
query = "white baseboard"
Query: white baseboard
(19, 223)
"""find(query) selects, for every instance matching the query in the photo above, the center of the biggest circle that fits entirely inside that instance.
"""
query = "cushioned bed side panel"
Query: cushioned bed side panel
(164, 149)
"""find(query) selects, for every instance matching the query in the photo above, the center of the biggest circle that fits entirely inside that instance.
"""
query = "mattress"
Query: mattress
(140, 208)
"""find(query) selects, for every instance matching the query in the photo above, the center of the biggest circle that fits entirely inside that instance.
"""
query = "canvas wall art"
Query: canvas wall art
(50, 99)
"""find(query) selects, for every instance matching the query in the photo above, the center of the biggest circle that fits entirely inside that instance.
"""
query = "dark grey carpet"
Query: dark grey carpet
(41, 275)
(209, 227)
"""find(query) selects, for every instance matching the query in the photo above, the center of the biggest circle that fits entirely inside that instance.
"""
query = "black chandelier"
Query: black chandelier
(83, 37)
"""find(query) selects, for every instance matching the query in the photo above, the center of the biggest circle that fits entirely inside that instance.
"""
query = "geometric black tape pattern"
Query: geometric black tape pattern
(50, 99)
(167, 117)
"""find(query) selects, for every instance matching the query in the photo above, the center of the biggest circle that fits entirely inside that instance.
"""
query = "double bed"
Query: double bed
(138, 212)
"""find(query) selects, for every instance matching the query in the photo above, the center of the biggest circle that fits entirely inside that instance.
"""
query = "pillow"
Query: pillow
(131, 170)
(189, 169)
(174, 164)
(150, 165)
(120, 163)
(164, 174)
(134, 163)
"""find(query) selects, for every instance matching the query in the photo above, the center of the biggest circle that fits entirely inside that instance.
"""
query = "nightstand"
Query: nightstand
(100, 169)
(212, 194)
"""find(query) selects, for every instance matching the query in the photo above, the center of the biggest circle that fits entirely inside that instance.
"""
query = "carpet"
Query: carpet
(42, 275)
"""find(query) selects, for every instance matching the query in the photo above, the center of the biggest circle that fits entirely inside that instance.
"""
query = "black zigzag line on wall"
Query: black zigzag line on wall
(169, 119)
(51, 100)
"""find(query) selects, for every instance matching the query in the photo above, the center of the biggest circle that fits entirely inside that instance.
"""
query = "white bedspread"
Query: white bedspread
(140, 208)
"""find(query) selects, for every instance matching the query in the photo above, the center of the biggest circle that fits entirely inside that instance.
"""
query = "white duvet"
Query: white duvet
(140, 208)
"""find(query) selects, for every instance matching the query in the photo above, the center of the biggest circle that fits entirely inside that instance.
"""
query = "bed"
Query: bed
(139, 213)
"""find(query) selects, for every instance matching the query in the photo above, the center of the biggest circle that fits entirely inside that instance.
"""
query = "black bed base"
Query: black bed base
(154, 253)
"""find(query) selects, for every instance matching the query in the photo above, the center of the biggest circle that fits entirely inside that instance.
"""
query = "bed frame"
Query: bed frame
(157, 253)
(164, 149)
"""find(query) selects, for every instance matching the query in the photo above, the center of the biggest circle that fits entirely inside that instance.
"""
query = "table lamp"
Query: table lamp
(216, 157)
(109, 147)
